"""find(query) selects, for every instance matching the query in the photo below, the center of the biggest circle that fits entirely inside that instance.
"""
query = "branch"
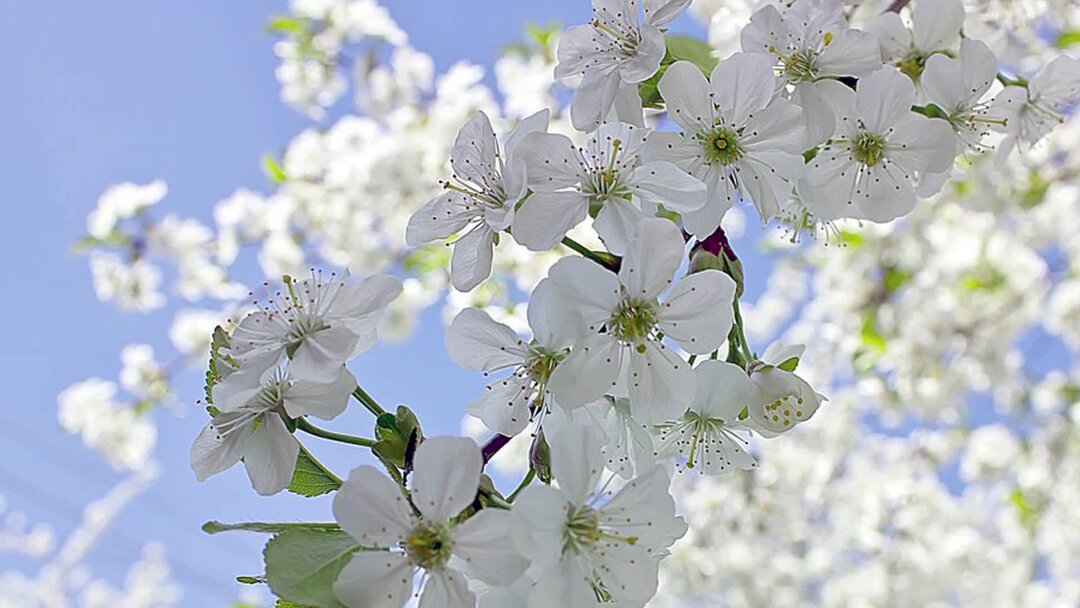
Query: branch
(493, 446)
(897, 5)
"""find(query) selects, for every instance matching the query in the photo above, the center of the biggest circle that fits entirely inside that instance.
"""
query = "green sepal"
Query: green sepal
(789, 365)
(540, 457)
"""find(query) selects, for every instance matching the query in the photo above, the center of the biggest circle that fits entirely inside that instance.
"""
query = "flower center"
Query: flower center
(798, 66)
(721, 145)
(429, 545)
(540, 363)
(782, 410)
(869, 148)
(912, 66)
(633, 322)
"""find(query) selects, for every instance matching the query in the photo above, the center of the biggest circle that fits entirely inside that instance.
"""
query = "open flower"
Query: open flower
(250, 426)
(958, 87)
(607, 174)
(615, 52)
(318, 323)
(476, 341)
(705, 435)
(935, 28)
(810, 44)
(869, 168)
(1034, 110)
(404, 536)
(480, 202)
(589, 548)
(622, 323)
(786, 399)
(738, 137)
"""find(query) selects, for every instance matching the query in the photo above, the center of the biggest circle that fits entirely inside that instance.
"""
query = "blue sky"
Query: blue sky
(101, 92)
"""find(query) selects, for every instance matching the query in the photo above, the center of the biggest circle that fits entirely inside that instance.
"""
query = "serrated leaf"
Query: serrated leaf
(218, 367)
(302, 565)
(789, 365)
(311, 478)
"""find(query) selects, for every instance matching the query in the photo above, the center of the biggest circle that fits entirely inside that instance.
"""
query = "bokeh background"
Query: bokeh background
(943, 469)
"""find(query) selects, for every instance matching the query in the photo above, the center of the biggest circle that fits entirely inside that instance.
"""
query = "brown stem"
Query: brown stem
(493, 446)
(897, 5)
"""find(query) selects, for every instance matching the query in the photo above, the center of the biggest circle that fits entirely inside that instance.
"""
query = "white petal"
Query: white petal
(375, 579)
(659, 12)
(646, 58)
(238, 388)
(320, 355)
(548, 328)
(593, 99)
(627, 105)
(440, 218)
(539, 518)
(818, 116)
(829, 185)
(943, 81)
(324, 400)
(617, 224)
(892, 35)
(652, 259)
(743, 85)
(643, 501)
(661, 384)
(662, 183)
(474, 156)
(552, 161)
(360, 304)
(722, 390)
(485, 544)
(372, 509)
(545, 218)
(588, 373)
(937, 25)
(698, 312)
(212, 453)
(504, 405)
(565, 584)
(922, 144)
(577, 460)
(884, 98)
(446, 589)
(271, 456)
(577, 52)
(590, 290)
(476, 341)
(852, 54)
(471, 262)
(534, 123)
(446, 476)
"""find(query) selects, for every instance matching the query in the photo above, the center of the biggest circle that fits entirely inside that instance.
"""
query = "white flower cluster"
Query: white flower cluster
(637, 360)
(121, 431)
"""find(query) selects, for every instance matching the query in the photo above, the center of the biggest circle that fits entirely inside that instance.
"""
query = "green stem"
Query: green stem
(742, 334)
(368, 401)
(521, 486)
(585, 251)
(311, 429)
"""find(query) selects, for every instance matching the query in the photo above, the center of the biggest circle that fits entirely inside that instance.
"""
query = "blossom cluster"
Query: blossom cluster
(631, 360)
(812, 123)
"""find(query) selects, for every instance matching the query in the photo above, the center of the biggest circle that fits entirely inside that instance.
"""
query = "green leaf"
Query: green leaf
(311, 478)
(1068, 38)
(251, 580)
(302, 565)
(851, 239)
(789, 365)
(286, 24)
(895, 278)
(287, 604)
(272, 169)
(220, 365)
(217, 527)
(698, 52)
